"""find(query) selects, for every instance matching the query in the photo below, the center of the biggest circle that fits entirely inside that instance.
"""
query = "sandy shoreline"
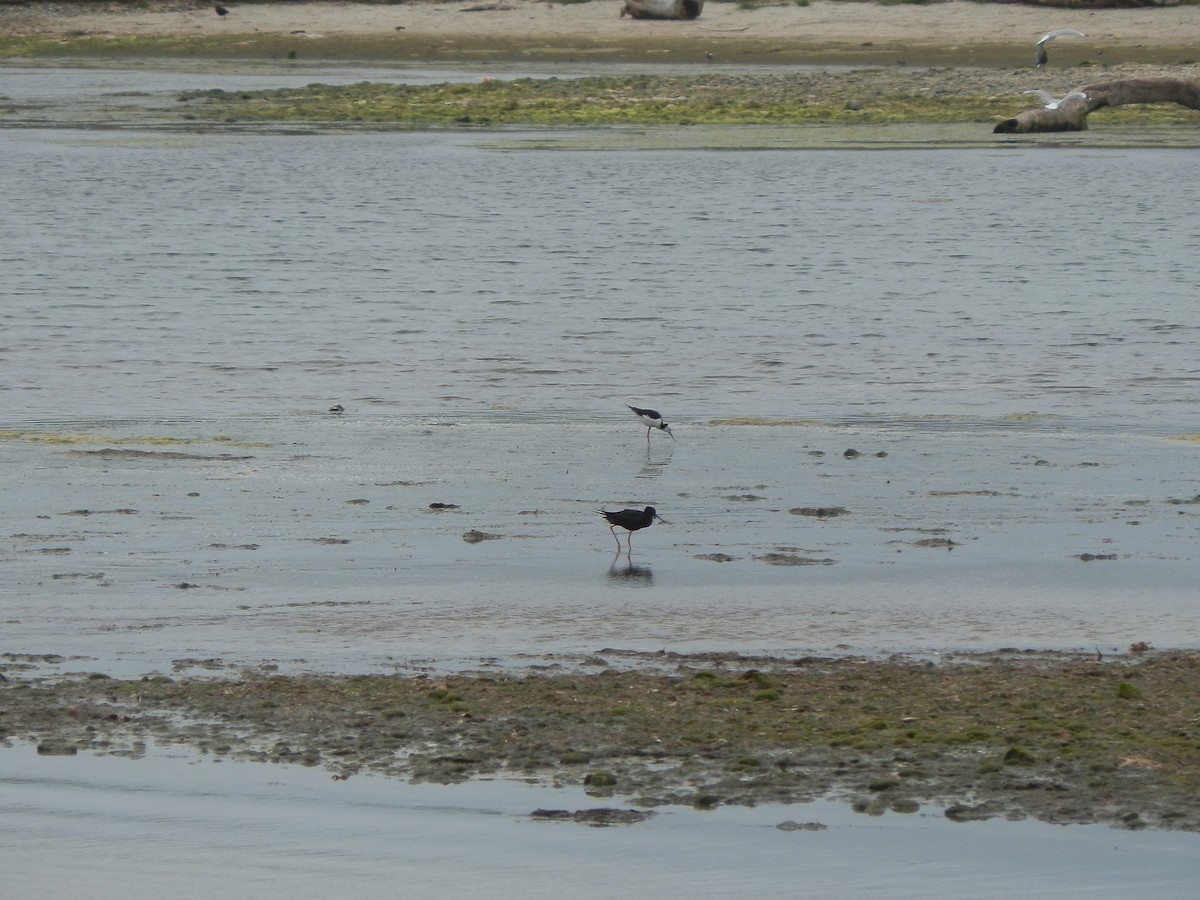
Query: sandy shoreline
(956, 32)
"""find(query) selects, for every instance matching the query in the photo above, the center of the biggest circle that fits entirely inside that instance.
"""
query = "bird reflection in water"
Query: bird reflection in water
(653, 467)
(629, 574)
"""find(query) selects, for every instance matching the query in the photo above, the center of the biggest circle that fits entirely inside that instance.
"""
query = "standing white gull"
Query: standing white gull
(1046, 38)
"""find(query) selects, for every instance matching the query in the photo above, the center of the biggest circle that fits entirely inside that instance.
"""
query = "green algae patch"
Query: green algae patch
(1052, 736)
(633, 100)
(875, 95)
(879, 98)
(873, 107)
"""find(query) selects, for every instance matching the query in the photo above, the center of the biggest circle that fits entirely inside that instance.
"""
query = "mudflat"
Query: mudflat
(1064, 738)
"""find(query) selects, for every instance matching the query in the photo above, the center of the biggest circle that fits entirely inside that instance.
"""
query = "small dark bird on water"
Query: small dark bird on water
(651, 419)
(631, 520)
(221, 10)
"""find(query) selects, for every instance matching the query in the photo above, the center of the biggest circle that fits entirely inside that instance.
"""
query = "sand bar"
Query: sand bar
(956, 32)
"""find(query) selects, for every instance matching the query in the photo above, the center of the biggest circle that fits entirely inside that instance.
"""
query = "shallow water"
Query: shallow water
(1012, 327)
(80, 826)
(319, 550)
(181, 310)
(420, 274)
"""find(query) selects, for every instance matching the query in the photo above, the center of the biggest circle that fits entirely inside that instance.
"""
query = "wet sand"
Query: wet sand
(953, 33)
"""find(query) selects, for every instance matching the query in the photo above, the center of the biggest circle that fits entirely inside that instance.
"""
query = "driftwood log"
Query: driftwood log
(1072, 114)
(662, 9)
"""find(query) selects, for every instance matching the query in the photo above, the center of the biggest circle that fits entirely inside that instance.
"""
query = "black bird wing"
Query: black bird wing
(631, 519)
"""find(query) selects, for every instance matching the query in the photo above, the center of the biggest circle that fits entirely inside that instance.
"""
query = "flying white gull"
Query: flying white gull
(1051, 35)
(1054, 103)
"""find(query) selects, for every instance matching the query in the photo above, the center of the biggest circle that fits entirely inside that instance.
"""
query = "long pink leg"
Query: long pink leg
(613, 529)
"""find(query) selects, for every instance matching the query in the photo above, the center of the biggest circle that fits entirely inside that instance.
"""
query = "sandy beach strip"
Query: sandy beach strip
(958, 30)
